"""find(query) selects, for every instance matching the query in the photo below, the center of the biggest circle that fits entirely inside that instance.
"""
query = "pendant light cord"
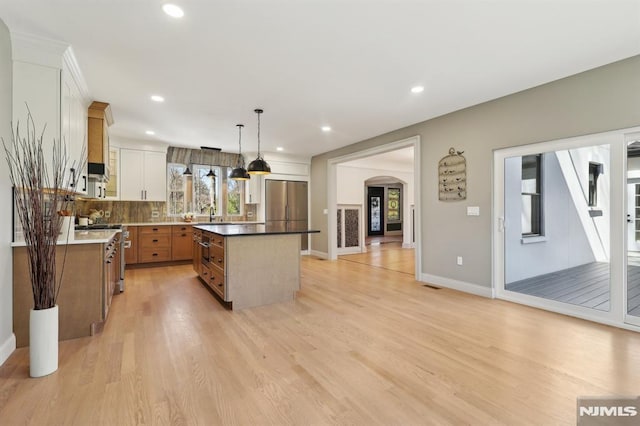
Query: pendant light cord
(259, 156)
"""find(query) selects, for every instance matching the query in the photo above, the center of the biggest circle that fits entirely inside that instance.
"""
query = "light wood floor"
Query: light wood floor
(389, 256)
(360, 345)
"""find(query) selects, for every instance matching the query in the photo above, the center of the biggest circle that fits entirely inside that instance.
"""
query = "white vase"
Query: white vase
(43, 341)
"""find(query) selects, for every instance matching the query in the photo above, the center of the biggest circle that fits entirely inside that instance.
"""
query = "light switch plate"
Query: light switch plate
(473, 211)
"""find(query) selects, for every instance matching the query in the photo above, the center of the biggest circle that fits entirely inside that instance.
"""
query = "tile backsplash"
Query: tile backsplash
(142, 211)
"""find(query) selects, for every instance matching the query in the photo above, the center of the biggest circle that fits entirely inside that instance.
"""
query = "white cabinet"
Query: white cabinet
(37, 88)
(252, 189)
(74, 130)
(51, 92)
(143, 175)
(97, 188)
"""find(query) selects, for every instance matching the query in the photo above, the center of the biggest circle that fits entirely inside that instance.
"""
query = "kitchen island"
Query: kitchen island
(249, 265)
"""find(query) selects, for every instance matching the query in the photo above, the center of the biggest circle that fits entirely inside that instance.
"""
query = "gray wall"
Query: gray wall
(605, 98)
(6, 292)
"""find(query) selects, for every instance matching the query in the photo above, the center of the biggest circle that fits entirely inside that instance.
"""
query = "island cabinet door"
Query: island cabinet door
(197, 254)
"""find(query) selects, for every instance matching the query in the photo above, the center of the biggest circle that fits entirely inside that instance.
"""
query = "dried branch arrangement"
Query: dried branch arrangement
(41, 196)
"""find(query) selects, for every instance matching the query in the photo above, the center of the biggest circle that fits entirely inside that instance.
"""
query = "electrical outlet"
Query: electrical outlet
(107, 214)
(459, 260)
(155, 214)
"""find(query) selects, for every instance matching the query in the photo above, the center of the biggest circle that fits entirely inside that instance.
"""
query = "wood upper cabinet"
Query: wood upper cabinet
(143, 175)
(99, 120)
(181, 242)
(131, 251)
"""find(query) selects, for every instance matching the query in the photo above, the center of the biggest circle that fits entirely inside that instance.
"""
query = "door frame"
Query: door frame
(332, 183)
(617, 141)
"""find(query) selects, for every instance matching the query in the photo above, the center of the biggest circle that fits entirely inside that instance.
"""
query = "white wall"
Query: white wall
(351, 187)
(7, 339)
(565, 243)
(351, 190)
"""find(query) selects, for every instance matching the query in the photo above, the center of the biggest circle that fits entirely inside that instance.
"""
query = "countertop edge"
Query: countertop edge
(78, 239)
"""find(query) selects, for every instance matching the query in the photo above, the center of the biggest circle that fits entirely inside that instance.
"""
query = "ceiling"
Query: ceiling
(348, 64)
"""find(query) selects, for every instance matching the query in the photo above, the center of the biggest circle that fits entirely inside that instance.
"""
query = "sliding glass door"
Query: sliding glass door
(567, 226)
(632, 293)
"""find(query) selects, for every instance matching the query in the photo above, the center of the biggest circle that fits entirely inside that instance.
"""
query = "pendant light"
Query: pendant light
(211, 174)
(258, 166)
(187, 172)
(239, 173)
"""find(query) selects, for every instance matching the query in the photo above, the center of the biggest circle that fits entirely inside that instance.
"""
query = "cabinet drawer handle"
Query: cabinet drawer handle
(204, 273)
(184, 235)
(220, 285)
(220, 260)
(155, 229)
(155, 241)
(155, 254)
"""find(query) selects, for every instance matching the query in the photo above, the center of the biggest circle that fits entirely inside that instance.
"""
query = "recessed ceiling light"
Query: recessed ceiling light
(326, 128)
(279, 148)
(173, 10)
(157, 98)
(150, 132)
(417, 89)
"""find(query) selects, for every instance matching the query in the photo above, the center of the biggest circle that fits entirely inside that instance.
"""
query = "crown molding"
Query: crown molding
(37, 50)
(71, 65)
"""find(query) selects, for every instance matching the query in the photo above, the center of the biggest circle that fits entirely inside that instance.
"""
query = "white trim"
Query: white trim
(617, 314)
(413, 141)
(408, 245)
(320, 254)
(71, 65)
(601, 317)
(37, 50)
(7, 348)
(463, 286)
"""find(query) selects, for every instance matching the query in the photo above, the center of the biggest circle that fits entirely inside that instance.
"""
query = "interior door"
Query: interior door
(375, 210)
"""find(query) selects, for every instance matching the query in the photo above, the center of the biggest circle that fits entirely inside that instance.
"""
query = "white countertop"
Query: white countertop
(93, 236)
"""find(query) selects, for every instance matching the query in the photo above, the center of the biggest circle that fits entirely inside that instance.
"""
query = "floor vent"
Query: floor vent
(431, 286)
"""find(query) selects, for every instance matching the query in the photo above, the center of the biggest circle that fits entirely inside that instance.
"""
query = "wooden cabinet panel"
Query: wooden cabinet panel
(157, 254)
(131, 253)
(217, 258)
(154, 241)
(216, 282)
(159, 229)
(181, 246)
(197, 253)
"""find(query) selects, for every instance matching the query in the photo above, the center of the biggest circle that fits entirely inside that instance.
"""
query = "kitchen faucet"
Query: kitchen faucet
(211, 212)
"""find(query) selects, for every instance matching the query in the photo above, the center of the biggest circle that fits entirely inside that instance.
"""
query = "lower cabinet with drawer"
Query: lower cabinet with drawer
(154, 243)
(160, 243)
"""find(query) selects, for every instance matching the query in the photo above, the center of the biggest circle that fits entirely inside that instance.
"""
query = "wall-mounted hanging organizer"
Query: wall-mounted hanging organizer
(452, 177)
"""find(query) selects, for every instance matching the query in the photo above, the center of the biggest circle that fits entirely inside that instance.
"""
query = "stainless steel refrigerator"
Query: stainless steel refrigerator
(286, 207)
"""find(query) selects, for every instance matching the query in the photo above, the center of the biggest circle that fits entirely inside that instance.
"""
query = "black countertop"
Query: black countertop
(255, 229)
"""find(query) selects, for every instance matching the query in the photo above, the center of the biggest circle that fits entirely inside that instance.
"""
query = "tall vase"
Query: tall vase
(43, 341)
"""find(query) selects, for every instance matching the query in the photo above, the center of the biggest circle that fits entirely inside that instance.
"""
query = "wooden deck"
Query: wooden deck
(585, 285)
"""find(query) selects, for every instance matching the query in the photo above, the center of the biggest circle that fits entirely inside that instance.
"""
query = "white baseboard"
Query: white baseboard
(7, 348)
(408, 245)
(458, 285)
(320, 254)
